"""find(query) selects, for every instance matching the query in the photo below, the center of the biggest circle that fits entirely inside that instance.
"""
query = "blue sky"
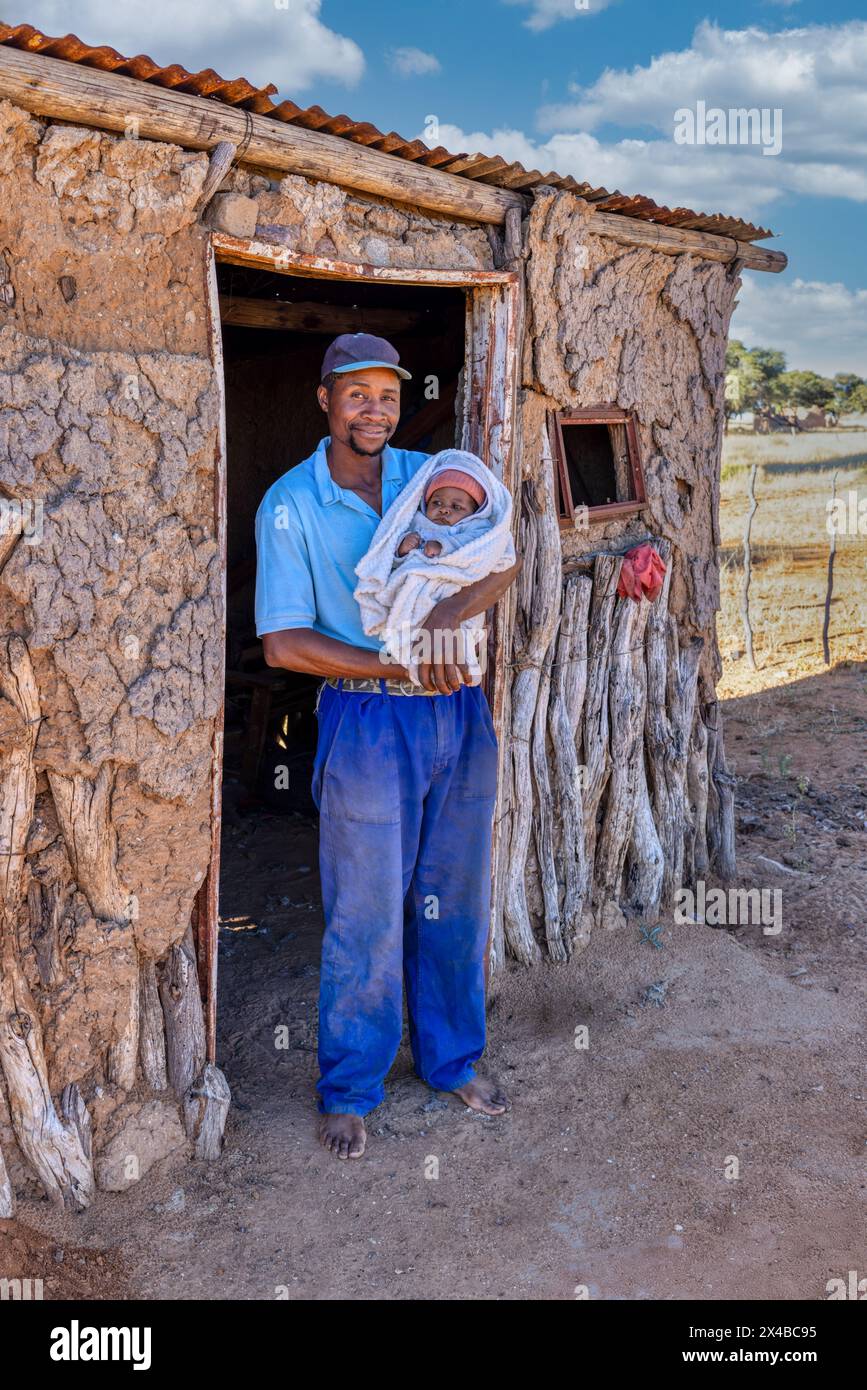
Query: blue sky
(591, 92)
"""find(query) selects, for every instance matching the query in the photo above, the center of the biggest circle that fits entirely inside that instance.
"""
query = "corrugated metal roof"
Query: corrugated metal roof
(484, 168)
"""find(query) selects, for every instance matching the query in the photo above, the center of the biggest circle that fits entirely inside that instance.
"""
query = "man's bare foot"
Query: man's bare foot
(343, 1135)
(485, 1096)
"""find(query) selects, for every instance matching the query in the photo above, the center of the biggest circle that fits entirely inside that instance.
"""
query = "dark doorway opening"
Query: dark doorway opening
(275, 329)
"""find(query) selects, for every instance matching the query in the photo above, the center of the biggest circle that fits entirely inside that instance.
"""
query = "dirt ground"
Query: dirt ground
(611, 1170)
(614, 1175)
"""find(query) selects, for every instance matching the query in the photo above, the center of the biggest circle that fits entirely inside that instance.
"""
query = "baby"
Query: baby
(450, 499)
(449, 528)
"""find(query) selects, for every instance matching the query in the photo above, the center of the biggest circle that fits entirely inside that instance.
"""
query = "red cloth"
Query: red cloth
(642, 573)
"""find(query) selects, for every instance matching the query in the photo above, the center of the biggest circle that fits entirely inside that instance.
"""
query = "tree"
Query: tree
(750, 377)
(804, 389)
(850, 395)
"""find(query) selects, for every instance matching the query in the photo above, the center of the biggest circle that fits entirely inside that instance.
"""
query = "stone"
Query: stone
(145, 1135)
(233, 214)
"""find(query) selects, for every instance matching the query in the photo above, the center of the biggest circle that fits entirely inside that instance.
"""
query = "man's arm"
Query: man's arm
(305, 649)
(479, 597)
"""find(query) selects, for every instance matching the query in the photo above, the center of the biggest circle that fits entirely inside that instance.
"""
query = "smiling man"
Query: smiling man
(404, 777)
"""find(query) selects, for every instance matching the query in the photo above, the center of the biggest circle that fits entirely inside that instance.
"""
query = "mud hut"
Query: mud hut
(175, 251)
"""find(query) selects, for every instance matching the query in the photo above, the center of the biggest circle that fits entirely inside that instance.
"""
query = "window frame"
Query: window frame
(601, 414)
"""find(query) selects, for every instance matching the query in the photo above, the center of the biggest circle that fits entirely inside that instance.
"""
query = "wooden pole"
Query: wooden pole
(745, 588)
(7, 1196)
(826, 646)
(57, 1146)
(221, 161)
(565, 707)
(538, 616)
(51, 87)
(108, 101)
(673, 241)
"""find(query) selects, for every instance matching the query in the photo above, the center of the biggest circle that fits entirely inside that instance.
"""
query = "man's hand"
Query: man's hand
(440, 636)
(443, 629)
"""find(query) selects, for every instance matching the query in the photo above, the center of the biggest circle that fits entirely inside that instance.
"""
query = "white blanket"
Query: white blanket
(396, 594)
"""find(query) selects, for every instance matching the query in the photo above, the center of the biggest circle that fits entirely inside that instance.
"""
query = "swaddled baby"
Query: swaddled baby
(441, 524)
(449, 527)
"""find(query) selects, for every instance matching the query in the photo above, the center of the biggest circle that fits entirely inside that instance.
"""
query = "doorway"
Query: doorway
(271, 321)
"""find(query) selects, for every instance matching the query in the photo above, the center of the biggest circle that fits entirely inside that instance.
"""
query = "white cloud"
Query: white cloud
(262, 40)
(412, 62)
(821, 327)
(676, 175)
(545, 13)
(814, 75)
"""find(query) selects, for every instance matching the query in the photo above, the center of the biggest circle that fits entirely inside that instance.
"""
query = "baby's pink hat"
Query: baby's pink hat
(454, 477)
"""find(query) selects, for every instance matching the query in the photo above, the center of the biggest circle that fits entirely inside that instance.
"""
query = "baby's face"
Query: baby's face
(448, 505)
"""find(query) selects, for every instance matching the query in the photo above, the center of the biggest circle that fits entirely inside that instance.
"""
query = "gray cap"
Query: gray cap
(351, 351)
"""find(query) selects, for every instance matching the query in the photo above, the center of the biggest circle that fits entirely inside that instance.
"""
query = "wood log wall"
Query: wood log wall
(617, 789)
(617, 780)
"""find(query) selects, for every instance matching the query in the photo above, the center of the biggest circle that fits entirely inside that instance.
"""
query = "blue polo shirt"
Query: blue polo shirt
(310, 535)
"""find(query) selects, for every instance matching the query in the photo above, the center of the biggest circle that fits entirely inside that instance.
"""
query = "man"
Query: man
(404, 779)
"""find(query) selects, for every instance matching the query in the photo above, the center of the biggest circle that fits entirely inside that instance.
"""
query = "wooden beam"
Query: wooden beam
(674, 241)
(107, 101)
(241, 311)
(51, 87)
(267, 249)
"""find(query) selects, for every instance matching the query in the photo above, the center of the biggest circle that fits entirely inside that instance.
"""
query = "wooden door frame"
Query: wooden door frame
(492, 356)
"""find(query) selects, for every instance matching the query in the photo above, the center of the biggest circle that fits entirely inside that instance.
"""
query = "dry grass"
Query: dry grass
(790, 542)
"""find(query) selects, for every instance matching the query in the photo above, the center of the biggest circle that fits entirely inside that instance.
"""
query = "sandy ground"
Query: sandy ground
(611, 1170)
(614, 1172)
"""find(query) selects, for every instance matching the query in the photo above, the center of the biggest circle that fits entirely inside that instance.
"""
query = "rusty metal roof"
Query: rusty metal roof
(490, 169)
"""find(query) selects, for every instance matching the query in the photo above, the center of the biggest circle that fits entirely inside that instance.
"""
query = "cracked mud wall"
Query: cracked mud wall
(109, 602)
(323, 219)
(646, 332)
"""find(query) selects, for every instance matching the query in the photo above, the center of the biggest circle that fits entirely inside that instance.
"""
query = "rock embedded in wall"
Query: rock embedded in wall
(141, 1135)
(325, 220)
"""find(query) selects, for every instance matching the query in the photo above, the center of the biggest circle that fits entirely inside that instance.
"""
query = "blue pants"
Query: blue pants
(405, 787)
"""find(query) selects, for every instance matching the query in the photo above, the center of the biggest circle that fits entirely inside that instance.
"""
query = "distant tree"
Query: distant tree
(805, 389)
(750, 377)
(850, 395)
(757, 380)
(743, 381)
(856, 401)
(771, 362)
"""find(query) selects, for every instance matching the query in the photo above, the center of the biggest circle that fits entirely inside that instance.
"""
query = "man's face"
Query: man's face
(363, 409)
